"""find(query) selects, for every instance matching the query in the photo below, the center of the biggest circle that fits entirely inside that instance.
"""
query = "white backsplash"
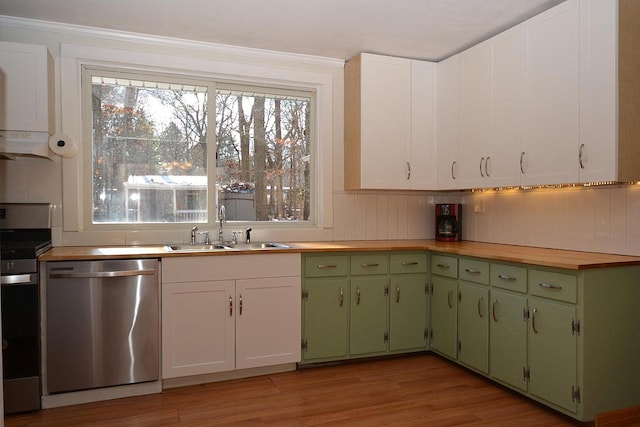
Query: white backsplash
(585, 219)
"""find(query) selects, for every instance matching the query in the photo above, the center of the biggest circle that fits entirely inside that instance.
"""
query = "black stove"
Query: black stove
(25, 234)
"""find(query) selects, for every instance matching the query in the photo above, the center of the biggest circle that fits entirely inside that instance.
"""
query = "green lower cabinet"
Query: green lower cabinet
(369, 313)
(407, 312)
(325, 319)
(444, 316)
(552, 352)
(508, 344)
(473, 326)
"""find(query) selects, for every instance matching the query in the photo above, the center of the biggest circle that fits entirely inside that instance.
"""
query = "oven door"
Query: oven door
(20, 342)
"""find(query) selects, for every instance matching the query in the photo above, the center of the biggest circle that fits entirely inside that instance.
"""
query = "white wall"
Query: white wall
(593, 219)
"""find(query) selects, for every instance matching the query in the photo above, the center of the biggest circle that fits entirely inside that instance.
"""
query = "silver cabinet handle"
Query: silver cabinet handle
(486, 167)
(408, 170)
(240, 305)
(327, 266)
(341, 296)
(480, 307)
(505, 277)
(357, 296)
(533, 320)
(550, 286)
(397, 293)
(452, 174)
(522, 162)
(230, 306)
(445, 266)
(369, 265)
(481, 165)
(406, 263)
(493, 310)
(580, 158)
(472, 271)
(449, 294)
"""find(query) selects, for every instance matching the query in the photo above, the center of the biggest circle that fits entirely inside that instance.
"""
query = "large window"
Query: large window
(160, 154)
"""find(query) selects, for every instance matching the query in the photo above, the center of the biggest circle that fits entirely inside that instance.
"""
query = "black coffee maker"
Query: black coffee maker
(448, 222)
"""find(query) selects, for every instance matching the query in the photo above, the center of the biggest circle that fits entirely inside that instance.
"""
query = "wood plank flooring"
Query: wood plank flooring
(417, 390)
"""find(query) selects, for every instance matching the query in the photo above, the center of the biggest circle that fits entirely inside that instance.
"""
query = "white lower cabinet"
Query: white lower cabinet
(249, 318)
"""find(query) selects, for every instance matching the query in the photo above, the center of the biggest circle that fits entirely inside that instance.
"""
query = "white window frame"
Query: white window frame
(238, 71)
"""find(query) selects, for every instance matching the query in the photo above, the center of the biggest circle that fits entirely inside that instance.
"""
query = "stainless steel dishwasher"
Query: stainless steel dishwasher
(102, 323)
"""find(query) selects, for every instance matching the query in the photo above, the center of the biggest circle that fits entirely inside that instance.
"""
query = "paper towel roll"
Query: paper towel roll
(63, 145)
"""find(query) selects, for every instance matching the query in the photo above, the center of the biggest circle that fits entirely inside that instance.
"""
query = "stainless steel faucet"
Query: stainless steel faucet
(222, 217)
(194, 229)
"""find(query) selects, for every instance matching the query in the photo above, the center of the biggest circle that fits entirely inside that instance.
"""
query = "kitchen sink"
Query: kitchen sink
(252, 246)
(198, 247)
(227, 246)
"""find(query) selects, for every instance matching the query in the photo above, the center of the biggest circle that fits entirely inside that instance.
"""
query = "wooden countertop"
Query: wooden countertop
(573, 260)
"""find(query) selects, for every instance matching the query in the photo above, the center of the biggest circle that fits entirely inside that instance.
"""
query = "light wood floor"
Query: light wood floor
(418, 390)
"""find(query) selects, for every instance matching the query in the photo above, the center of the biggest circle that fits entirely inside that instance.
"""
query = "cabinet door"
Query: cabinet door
(552, 100)
(599, 96)
(473, 326)
(552, 352)
(27, 88)
(508, 61)
(198, 329)
(444, 314)
(408, 312)
(268, 330)
(385, 122)
(325, 318)
(423, 147)
(369, 314)
(476, 115)
(448, 121)
(508, 344)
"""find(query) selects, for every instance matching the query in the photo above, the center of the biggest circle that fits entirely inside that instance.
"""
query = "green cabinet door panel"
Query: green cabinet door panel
(552, 352)
(407, 312)
(369, 315)
(508, 332)
(444, 314)
(473, 325)
(325, 310)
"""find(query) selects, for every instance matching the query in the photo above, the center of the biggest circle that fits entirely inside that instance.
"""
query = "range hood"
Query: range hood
(15, 144)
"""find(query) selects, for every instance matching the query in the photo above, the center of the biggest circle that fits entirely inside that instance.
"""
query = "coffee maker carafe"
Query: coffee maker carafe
(448, 222)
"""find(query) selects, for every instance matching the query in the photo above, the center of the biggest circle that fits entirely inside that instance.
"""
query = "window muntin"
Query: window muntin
(150, 151)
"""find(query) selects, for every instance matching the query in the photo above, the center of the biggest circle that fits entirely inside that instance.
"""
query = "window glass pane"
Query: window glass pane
(263, 155)
(149, 157)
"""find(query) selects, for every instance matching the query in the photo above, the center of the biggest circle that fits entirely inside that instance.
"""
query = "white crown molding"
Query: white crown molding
(56, 27)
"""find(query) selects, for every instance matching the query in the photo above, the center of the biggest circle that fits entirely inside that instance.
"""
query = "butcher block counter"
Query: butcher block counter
(573, 260)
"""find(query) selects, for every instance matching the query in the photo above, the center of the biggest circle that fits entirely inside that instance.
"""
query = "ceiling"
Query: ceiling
(420, 29)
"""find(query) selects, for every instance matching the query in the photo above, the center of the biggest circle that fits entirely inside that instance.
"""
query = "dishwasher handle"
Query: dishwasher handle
(101, 274)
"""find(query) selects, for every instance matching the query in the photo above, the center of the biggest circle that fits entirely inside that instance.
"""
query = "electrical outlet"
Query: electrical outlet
(478, 206)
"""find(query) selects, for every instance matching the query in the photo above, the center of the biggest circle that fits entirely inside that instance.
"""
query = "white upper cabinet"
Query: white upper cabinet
(552, 103)
(26, 88)
(423, 147)
(448, 122)
(502, 161)
(383, 148)
(609, 91)
(475, 112)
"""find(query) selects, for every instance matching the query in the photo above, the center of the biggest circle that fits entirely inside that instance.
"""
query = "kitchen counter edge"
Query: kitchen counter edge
(559, 258)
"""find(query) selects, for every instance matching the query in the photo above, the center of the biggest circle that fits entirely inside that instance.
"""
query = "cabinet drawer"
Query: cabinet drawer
(509, 277)
(369, 264)
(558, 286)
(408, 263)
(446, 266)
(474, 270)
(326, 266)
